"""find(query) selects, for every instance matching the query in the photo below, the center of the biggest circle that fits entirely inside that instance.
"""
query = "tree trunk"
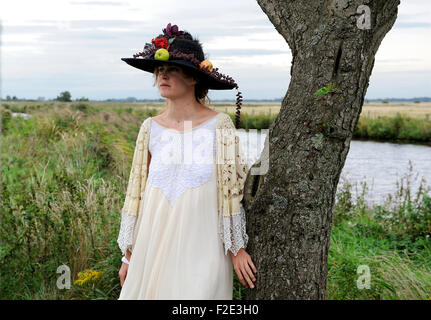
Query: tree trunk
(289, 209)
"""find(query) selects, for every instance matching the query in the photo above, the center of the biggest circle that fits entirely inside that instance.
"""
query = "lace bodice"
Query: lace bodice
(179, 161)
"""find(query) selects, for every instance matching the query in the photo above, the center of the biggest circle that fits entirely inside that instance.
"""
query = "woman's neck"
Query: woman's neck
(179, 111)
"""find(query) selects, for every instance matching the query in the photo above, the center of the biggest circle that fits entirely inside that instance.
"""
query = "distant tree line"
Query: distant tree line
(8, 98)
(65, 96)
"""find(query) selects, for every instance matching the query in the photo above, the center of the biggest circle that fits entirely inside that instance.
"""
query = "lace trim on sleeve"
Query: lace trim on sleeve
(233, 232)
(125, 237)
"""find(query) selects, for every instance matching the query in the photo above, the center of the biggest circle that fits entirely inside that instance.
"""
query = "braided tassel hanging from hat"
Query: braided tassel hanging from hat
(229, 80)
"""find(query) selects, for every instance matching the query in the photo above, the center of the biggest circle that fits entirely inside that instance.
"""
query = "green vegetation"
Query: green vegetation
(398, 128)
(325, 90)
(395, 128)
(64, 174)
(392, 239)
(383, 128)
(64, 177)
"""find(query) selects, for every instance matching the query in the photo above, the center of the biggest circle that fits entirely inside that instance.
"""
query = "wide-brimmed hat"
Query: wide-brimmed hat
(175, 47)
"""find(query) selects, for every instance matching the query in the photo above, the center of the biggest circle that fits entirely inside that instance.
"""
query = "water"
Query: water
(379, 164)
(382, 164)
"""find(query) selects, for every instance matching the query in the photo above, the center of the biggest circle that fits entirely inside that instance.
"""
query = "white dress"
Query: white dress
(177, 252)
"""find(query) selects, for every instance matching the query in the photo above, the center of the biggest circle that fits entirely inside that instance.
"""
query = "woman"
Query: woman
(173, 208)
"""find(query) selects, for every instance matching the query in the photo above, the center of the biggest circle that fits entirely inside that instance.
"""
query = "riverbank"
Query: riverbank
(64, 175)
(376, 123)
(397, 129)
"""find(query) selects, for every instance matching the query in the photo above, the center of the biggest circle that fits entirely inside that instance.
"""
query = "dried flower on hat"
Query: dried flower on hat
(189, 51)
(161, 43)
(172, 31)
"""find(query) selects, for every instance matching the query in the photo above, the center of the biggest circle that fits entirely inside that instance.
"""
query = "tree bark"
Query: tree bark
(289, 209)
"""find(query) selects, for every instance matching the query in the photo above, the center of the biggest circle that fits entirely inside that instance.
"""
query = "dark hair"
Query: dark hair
(201, 90)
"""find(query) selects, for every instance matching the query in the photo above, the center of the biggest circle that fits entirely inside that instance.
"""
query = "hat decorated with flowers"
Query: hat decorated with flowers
(175, 47)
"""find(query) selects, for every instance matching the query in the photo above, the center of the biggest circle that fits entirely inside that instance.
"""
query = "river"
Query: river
(380, 165)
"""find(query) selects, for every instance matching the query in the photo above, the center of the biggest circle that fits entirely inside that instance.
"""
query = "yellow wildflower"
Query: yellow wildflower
(87, 275)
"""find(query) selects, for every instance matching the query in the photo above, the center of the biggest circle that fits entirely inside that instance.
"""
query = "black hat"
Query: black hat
(178, 48)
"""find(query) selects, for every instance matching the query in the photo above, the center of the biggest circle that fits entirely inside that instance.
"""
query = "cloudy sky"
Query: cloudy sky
(51, 46)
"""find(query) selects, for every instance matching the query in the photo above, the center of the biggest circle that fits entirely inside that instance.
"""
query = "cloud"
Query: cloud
(97, 3)
(393, 84)
(52, 46)
(424, 25)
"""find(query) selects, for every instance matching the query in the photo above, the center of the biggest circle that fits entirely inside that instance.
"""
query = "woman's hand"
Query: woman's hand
(124, 267)
(241, 264)
(123, 272)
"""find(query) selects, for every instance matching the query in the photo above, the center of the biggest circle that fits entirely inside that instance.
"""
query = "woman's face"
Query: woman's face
(172, 82)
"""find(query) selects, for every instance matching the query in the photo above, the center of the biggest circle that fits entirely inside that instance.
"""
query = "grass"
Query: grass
(395, 246)
(397, 122)
(64, 174)
(396, 128)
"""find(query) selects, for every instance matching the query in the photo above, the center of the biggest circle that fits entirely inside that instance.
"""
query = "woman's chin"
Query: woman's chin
(165, 94)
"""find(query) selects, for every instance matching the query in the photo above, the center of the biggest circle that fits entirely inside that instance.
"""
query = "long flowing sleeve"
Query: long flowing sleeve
(233, 173)
(125, 237)
(233, 232)
(135, 188)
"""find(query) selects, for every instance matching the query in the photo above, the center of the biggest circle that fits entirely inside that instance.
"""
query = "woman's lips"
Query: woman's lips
(164, 85)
